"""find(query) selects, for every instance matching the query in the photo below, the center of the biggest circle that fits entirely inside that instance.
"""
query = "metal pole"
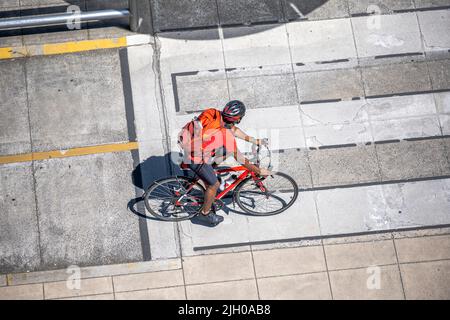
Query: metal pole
(134, 17)
(140, 16)
(62, 18)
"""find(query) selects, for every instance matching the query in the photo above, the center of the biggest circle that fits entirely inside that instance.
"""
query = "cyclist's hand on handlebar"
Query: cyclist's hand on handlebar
(264, 172)
(263, 142)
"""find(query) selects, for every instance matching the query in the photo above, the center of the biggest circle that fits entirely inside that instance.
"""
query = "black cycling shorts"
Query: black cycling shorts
(205, 172)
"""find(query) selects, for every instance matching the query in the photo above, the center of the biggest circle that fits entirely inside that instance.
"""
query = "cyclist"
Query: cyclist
(202, 138)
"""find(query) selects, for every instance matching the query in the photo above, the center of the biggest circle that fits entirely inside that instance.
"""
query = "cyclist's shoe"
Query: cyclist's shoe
(212, 219)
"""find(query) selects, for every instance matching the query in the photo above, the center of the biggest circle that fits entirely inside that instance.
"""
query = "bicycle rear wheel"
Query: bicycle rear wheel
(174, 199)
(269, 196)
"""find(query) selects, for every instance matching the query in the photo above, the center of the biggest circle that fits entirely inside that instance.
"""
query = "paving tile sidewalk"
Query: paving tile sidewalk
(411, 265)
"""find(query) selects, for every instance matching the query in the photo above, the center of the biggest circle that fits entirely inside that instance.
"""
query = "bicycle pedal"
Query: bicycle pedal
(217, 206)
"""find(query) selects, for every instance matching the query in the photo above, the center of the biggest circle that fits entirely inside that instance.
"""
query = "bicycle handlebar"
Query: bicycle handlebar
(256, 154)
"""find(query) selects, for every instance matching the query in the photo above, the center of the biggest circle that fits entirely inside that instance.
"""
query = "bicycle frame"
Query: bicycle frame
(232, 186)
(245, 174)
(242, 177)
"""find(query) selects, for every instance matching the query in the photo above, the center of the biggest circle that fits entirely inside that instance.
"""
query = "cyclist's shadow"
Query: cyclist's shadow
(145, 174)
(159, 167)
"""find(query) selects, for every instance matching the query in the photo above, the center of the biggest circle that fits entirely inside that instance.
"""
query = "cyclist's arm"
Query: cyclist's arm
(248, 165)
(238, 133)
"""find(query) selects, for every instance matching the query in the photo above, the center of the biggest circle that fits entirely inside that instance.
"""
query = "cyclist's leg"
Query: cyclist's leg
(207, 174)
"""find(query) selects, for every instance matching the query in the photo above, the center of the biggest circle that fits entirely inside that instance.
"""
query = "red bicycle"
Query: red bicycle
(181, 198)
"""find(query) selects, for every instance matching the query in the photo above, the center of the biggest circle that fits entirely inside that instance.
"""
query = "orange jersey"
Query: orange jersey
(213, 136)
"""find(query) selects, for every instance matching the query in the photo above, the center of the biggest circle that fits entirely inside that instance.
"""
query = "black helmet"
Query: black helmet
(233, 112)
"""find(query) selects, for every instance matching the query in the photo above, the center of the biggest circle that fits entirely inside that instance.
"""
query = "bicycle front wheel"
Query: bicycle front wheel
(174, 199)
(269, 196)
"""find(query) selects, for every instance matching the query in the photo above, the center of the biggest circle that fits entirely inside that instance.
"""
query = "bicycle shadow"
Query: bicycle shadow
(137, 207)
(155, 168)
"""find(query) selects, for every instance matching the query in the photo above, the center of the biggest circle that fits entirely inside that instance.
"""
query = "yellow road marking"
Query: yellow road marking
(16, 52)
(16, 159)
(61, 48)
(79, 46)
(76, 152)
(6, 53)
